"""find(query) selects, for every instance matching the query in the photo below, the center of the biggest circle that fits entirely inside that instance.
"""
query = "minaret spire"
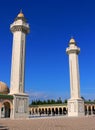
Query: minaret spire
(20, 10)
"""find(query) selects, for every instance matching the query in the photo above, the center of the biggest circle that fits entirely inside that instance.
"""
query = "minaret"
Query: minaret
(19, 28)
(75, 103)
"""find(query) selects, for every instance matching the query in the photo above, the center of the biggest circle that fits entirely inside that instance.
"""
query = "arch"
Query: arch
(49, 111)
(6, 108)
(60, 111)
(29, 112)
(36, 111)
(53, 112)
(42, 111)
(64, 111)
(11, 105)
(56, 110)
(33, 111)
(45, 110)
(89, 110)
(85, 110)
(93, 110)
(39, 109)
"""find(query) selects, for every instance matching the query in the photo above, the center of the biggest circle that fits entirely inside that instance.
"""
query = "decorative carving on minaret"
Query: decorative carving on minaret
(20, 28)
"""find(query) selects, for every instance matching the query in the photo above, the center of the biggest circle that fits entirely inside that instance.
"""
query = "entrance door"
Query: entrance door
(7, 109)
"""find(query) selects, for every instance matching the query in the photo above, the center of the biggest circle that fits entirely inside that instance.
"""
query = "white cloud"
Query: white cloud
(40, 95)
(37, 95)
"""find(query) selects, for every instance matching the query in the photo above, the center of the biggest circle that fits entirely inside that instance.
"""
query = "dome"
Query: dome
(20, 14)
(72, 40)
(3, 88)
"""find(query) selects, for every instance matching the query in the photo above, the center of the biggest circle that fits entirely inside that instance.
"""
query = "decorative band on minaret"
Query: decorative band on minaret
(75, 103)
(19, 28)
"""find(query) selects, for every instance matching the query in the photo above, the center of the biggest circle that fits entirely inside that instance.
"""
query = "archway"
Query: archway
(64, 111)
(36, 111)
(32, 111)
(40, 112)
(53, 112)
(60, 111)
(45, 110)
(56, 111)
(49, 111)
(85, 110)
(6, 109)
(89, 110)
(93, 110)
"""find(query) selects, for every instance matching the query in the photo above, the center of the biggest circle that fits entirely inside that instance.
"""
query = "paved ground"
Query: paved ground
(51, 123)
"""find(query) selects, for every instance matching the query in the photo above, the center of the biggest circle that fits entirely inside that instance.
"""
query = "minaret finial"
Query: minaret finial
(72, 40)
(20, 14)
(20, 10)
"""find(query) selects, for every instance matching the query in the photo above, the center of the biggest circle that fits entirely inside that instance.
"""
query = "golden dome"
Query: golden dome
(20, 14)
(3, 88)
(72, 40)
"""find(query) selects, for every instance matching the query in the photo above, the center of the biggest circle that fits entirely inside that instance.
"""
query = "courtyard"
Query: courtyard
(50, 123)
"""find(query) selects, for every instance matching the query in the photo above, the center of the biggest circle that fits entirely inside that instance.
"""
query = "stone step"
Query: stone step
(4, 128)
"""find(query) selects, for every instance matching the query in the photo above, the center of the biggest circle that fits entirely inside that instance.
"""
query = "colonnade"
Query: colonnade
(89, 109)
(58, 110)
(48, 110)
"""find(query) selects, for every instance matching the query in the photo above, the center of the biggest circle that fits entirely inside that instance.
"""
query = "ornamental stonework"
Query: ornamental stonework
(20, 28)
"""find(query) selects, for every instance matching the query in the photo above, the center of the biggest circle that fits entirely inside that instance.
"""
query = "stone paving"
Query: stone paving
(50, 123)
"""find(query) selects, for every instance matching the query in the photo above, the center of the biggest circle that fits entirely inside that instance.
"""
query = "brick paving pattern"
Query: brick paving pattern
(50, 123)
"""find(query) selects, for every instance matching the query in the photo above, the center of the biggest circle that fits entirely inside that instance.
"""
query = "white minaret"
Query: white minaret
(75, 103)
(19, 28)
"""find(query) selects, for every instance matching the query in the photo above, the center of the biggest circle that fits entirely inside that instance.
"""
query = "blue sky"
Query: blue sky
(52, 24)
